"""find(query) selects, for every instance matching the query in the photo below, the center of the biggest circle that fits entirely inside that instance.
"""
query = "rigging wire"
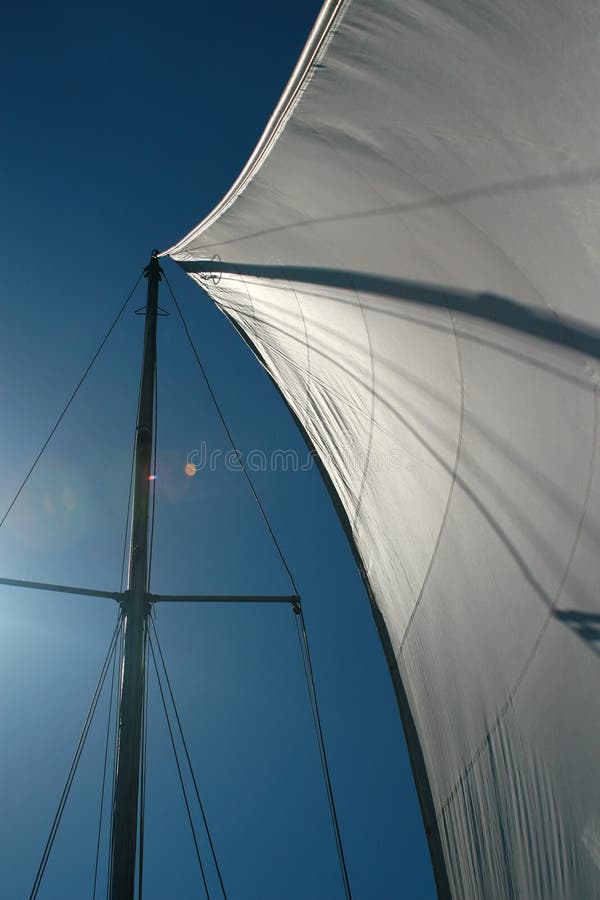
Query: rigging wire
(312, 693)
(130, 495)
(143, 766)
(71, 774)
(127, 518)
(69, 401)
(300, 623)
(232, 442)
(131, 477)
(115, 746)
(106, 745)
(179, 772)
(189, 761)
(153, 472)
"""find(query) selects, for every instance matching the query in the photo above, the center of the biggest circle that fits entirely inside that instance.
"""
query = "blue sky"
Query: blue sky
(122, 126)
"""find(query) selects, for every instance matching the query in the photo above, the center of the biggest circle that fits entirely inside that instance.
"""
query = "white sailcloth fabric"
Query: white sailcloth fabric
(413, 251)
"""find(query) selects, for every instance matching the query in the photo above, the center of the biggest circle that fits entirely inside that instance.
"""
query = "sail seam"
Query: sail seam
(371, 414)
(308, 362)
(415, 750)
(468, 768)
(232, 311)
(505, 540)
(450, 491)
(469, 492)
(240, 276)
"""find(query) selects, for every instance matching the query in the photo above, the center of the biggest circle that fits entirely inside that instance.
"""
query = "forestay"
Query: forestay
(414, 252)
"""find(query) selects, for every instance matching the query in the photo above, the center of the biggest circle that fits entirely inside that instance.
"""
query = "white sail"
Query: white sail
(414, 252)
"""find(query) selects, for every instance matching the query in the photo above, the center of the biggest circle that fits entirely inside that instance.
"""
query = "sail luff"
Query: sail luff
(315, 45)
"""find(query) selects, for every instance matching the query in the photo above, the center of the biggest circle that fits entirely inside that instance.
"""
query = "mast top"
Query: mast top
(153, 269)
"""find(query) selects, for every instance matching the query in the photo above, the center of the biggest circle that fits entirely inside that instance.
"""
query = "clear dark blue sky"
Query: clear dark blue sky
(122, 125)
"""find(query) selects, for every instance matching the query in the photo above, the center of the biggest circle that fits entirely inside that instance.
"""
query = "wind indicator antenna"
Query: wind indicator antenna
(135, 606)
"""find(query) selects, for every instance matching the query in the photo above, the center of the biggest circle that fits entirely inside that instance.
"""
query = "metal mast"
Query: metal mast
(135, 607)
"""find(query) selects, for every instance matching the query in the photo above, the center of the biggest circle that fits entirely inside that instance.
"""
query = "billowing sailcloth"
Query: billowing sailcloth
(413, 250)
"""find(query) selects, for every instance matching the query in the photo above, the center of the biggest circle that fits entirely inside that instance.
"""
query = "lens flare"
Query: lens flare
(190, 469)
(69, 499)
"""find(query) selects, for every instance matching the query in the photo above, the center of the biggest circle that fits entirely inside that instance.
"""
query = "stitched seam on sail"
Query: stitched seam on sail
(468, 768)
(450, 492)
(308, 366)
(372, 413)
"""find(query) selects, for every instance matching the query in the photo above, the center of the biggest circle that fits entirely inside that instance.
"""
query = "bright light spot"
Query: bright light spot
(190, 469)
(151, 477)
